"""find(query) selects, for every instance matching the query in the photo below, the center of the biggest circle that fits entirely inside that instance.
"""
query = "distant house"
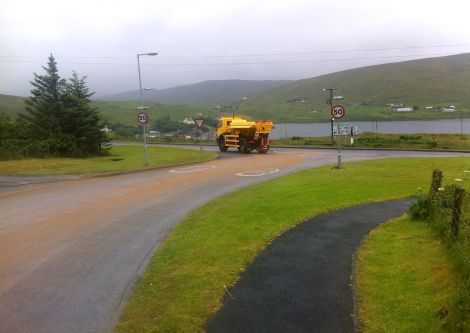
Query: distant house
(429, 107)
(154, 134)
(297, 100)
(395, 105)
(338, 98)
(404, 109)
(106, 129)
(449, 109)
(188, 121)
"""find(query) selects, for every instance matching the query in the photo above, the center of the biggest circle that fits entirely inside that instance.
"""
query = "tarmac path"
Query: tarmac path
(71, 250)
(302, 281)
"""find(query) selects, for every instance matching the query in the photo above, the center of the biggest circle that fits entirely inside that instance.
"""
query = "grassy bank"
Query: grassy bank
(121, 158)
(372, 140)
(405, 281)
(184, 283)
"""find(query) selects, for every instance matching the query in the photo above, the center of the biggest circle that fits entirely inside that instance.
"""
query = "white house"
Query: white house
(404, 109)
(188, 121)
(449, 109)
(154, 134)
(106, 129)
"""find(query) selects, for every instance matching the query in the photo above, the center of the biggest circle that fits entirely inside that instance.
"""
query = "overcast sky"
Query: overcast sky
(219, 39)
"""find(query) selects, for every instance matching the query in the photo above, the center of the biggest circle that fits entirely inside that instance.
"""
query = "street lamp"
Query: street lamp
(141, 107)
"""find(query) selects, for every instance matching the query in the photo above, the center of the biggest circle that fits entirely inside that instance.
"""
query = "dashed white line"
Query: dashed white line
(192, 169)
(257, 173)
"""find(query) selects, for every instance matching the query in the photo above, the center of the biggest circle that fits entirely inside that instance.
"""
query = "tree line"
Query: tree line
(59, 120)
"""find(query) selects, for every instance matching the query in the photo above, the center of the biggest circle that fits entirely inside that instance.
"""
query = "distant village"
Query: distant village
(403, 108)
(396, 107)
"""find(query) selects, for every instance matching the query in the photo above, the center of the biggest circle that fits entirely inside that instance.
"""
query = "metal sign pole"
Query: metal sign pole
(143, 118)
(200, 139)
(146, 157)
(338, 112)
(339, 144)
(199, 122)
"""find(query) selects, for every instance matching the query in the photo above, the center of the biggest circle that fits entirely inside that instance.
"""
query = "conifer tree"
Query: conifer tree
(44, 107)
(59, 115)
(81, 120)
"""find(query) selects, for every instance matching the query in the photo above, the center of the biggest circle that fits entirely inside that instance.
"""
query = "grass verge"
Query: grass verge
(372, 140)
(405, 280)
(184, 283)
(121, 158)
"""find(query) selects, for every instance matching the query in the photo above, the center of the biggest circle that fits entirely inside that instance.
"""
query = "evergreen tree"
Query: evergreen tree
(44, 107)
(81, 120)
(59, 115)
(77, 87)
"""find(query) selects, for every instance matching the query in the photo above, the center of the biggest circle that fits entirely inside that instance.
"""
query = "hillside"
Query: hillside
(208, 92)
(439, 82)
(436, 82)
(117, 111)
(126, 112)
(11, 105)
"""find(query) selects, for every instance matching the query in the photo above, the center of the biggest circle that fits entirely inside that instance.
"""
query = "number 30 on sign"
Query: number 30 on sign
(143, 118)
(338, 111)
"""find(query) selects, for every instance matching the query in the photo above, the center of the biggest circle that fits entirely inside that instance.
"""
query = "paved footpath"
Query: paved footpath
(302, 281)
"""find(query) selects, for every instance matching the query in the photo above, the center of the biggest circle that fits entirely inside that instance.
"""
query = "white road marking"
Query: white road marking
(257, 173)
(192, 169)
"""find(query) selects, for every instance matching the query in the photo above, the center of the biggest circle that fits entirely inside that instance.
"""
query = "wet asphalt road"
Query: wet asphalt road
(302, 281)
(70, 251)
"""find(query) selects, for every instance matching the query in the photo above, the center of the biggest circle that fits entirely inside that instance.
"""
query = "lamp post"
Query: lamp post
(141, 107)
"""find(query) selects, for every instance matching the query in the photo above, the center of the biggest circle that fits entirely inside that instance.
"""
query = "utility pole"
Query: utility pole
(330, 102)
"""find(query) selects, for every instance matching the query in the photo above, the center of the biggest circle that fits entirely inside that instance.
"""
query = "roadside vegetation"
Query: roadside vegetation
(184, 284)
(119, 159)
(372, 140)
(58, 120)
(405, 280)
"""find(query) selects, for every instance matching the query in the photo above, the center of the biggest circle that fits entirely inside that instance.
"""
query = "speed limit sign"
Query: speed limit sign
(338, 111)
(143, 118)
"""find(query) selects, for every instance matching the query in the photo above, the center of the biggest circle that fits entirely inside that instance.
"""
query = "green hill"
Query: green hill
(11, 105)
(436, 82)
(126, 112)
(202, 93)
(116, 111)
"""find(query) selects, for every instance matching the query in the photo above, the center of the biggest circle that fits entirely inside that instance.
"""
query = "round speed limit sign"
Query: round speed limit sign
(143, 118)
(338, 111)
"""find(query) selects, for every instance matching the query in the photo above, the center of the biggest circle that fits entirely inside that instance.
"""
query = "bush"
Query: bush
(436, 210)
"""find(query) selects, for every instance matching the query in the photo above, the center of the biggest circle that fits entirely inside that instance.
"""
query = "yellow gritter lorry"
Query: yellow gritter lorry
(245, 135)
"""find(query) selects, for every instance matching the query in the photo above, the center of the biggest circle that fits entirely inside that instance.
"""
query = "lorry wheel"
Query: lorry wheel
(244, 148)
(263, 150)
(222, 146)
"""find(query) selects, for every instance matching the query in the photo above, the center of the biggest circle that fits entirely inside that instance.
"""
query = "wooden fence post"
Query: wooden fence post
(457, 211)
(436, 182)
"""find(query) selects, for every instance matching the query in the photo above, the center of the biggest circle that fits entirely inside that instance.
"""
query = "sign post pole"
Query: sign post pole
(339, 166)
(338, 112)
(199, 122)
(143, 118)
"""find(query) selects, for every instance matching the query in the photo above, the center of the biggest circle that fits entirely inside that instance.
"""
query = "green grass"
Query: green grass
(371, 140)
(121, 158)
(405, 281)
(184, 283)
